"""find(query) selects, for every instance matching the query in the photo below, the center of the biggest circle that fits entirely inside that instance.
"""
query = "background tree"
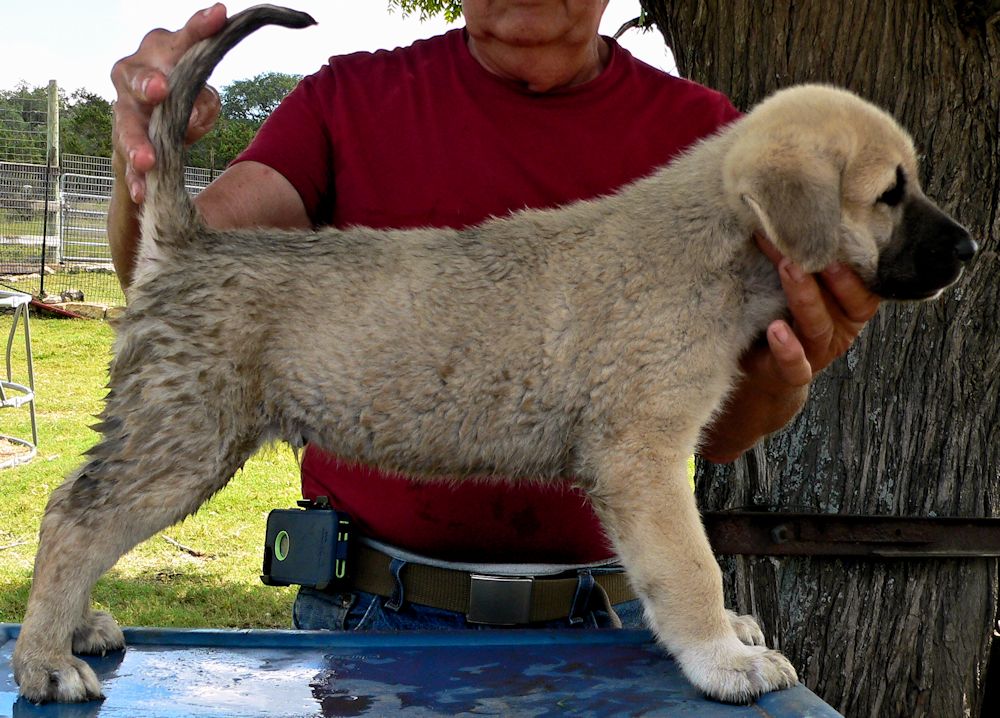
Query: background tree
(23, 113)
(254, 99)
(450, 9)
(85, 121)
(909, 422)
(85, 125)
(245, 106)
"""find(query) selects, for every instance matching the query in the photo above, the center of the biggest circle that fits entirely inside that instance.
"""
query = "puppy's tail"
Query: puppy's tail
(169, 216)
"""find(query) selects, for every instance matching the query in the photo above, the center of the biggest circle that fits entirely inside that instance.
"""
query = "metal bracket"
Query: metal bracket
(799, 534)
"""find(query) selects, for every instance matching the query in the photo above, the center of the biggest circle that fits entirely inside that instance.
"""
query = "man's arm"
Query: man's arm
(248, 194)
(828, 313)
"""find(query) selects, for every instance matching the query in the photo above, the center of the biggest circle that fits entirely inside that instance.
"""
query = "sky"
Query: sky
(75, 42)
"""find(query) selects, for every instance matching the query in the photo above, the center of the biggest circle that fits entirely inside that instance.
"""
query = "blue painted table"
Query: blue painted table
(195, 673)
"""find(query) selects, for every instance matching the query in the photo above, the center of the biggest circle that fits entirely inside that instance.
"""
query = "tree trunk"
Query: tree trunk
(908, 423)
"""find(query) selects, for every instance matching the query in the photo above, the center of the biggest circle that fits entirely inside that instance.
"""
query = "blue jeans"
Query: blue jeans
(359, 611)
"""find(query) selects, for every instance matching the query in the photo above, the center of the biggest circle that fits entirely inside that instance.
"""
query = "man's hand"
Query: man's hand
(141, 82)
(828, 312)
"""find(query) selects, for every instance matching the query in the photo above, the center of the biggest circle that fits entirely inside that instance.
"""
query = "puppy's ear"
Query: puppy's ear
(792, 192)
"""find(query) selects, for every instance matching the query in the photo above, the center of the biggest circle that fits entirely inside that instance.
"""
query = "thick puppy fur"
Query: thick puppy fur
(593, 341)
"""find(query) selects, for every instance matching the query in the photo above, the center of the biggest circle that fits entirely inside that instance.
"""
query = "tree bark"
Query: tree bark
(908, 423)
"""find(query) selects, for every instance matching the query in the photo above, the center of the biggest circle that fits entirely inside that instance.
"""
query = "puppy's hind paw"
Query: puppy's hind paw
(66, 680)
(97, 635)
(732, 672)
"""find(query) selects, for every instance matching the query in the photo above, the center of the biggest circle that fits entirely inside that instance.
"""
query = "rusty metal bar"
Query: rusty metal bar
(800, 534)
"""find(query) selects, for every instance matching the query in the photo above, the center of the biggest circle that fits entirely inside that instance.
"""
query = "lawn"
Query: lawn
(157, 584)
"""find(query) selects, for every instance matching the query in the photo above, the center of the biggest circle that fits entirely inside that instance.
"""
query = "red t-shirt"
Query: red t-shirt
(425, 136)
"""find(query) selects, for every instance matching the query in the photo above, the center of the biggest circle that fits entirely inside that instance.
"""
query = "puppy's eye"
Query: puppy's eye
(894, 195)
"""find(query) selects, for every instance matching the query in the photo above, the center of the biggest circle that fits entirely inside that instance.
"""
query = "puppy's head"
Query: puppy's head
(829, 177)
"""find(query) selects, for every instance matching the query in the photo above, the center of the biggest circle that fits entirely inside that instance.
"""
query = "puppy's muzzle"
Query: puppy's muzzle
(927, 253)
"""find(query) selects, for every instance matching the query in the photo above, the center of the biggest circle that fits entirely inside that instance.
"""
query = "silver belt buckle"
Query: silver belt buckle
(500, 600)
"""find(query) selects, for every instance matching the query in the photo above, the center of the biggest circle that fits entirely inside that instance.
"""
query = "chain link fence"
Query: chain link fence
(53, 212)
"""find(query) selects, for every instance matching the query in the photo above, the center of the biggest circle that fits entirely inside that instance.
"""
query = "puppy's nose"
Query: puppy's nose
(965, 248)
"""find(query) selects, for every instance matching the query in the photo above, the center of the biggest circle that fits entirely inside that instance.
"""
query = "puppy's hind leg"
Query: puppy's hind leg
(647, 507)
(132, 489)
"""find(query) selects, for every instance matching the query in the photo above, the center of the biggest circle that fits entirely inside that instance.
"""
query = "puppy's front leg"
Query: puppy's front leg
(649, 511)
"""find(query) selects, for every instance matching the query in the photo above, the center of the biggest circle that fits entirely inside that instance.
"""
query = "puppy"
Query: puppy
(593, 341)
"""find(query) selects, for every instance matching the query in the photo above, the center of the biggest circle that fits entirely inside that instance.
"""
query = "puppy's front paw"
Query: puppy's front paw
(97, 635)
(65, 680)
(729, 671)
(746, 627)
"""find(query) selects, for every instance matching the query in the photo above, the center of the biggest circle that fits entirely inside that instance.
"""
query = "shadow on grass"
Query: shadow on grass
(177, 601)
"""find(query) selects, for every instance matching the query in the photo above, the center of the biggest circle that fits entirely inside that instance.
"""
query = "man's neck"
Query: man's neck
(542, 68)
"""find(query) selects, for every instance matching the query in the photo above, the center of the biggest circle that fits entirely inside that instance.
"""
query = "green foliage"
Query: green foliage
(85, 121)
(451, 9)
(23, 113)
(85, 125)
(253, 100)
(245, 106)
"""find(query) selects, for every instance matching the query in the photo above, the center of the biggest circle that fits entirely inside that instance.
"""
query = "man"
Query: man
(527, 107)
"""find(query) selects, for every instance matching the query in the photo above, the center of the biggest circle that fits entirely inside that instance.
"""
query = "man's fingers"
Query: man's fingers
(136, 184)
(202, 24)
(204, 114)
(813, 322)
(149, 87)
(141, 83)
(132, 140)
(145, 72)
(768, 248)
(790, 363)
(856, 301)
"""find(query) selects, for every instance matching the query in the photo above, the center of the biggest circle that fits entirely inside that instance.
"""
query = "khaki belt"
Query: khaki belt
(495, 600)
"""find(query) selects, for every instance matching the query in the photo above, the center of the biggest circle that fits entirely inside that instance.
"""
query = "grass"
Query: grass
(16, 224)
(156, 584)
(82, 263)
(99, 287)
